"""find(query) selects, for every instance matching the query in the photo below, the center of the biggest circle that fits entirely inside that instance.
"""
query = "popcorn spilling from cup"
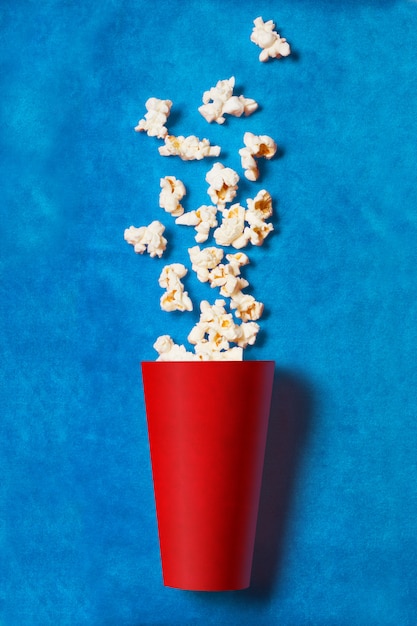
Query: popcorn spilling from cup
(224, 329)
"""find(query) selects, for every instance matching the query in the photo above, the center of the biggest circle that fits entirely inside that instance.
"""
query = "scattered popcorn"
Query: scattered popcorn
(216, 326)
(247, 308)
(147, 238)
(205, 352)
(169, 351)
(172, 192)
(248, 334)
(217, 329)
(231, 230)
(260, 205)
(203, 261)
(154, 121)
(203, 219)
(222, 184)
(175, 298)
(188, 148)
(256, 146)
(259, 209)
(265, 36)
(220, 100)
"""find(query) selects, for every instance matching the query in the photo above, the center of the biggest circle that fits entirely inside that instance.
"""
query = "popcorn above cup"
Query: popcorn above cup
(188, 148)
(172, 192)
(175, 298)
(222, 184)
(155, 119)
(203, 219)
(265, 36)
(256, 146)
(220, 100)
(147, 238)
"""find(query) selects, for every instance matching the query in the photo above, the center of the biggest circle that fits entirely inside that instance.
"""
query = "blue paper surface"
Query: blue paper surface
(336, 543)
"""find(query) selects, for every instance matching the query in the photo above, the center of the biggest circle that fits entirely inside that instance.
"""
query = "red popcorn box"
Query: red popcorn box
(207, 425)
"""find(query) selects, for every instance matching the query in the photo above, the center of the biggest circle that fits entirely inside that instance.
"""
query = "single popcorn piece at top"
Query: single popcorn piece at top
(147, 238)
(265, 36)
(175, 298)
(223, 183)
(188, 148)
(172, 192)
(220, 100)
(256, 146)
(155, 119)
(203, 219)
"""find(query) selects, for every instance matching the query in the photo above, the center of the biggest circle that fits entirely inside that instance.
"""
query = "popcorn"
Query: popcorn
(169, 351)
(231, 230)
(217, 329)
(216, 326)
(154, 121)
(226, 276)
(256, 146)
(248, 334)
(188, 148)
(203, 219)
(172, 192)
(147, 238)
(222, 184)
(272, 44)
(260, 206)
(220, 100)
(204, 260)
(175, 298)
(247, 308)
(259, 209)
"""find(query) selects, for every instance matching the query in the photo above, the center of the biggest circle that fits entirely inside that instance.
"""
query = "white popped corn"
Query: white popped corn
(220, 100)
(170, 351)
(147, 238)
(265, 36)
(216, 327)
(231, 230)
(260, 205)
(222, 184)
(247, 308)
(155, 119)
(203, 219)
(172, 192)
(256, 146)
(175, 298)
(205, 260)
(248, 334)
(188, 148)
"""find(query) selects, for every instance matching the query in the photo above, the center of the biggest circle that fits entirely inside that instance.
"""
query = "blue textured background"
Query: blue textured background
(79, 310)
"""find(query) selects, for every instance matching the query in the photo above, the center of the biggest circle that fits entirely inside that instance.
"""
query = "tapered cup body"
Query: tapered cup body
(207, 425)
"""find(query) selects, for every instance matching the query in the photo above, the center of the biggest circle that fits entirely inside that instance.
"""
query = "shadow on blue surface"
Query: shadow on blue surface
(290, 420)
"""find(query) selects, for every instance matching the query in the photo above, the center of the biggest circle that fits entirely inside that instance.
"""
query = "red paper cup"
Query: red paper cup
(207, 425)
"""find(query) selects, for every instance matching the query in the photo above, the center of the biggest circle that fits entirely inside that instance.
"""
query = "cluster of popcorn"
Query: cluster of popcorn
(220, 334)
(219, 100)
(265, 36)
(212, 337)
